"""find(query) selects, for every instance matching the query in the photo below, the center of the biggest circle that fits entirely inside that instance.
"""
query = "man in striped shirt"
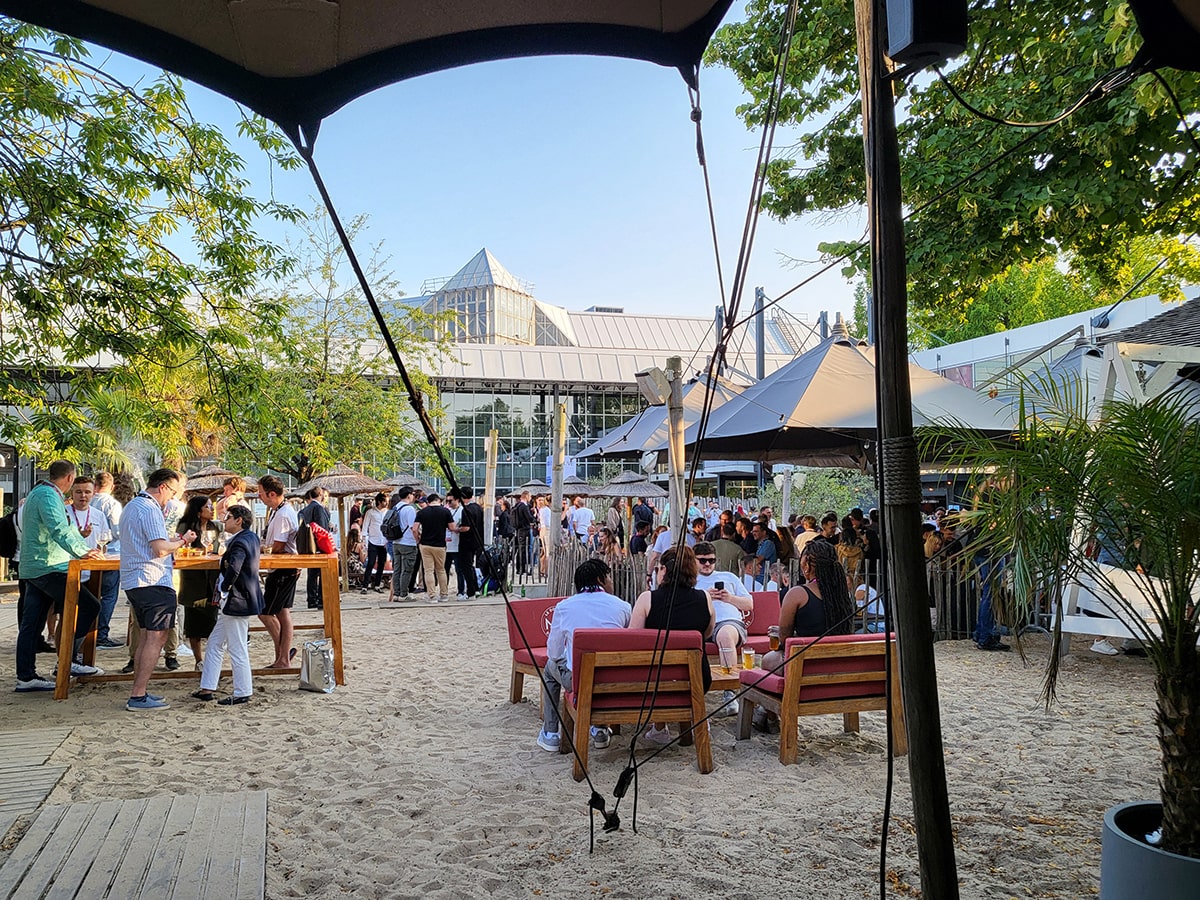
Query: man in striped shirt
(147, 563)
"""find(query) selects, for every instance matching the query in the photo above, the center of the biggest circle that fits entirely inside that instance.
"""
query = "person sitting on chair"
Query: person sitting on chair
(593, 605)
(729, 599)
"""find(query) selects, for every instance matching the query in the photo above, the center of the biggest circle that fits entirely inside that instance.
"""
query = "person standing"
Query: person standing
(91, 523)
(315, 513)
(470, 532)
(431, 525)
(377, 543)
(233, 490)
(147, 565)
(405, 551)
(582, 520)
(524, 520)
(110, 584)
(280, 591)
(239, 596)
(48, 544)
(453, 542)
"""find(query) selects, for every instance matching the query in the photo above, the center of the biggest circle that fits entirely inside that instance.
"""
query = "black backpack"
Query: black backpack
(8, 536)
(391, 525)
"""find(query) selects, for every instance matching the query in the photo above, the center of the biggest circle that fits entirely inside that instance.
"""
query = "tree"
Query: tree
(1119, 169)
(128, 249)
(815, 490)
(319, 389)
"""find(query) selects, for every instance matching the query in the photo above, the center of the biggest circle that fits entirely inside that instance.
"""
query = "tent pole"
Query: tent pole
(900, 480)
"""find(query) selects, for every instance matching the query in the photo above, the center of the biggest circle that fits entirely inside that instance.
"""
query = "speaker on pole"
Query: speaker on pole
(1171, 32)
(922, 32)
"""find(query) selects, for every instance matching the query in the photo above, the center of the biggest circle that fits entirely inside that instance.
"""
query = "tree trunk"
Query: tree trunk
(1178, 687)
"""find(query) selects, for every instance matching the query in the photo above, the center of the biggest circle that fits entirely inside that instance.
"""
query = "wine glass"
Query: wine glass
(102, 540)
(206, 541)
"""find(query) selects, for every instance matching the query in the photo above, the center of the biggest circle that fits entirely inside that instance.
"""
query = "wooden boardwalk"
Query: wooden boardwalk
(211, 846)
(25, 779)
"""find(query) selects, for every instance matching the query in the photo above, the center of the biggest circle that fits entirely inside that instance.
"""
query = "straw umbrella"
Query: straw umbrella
(535, 487)
(211, 478)
(576, 487)
(341, 481)
(409, 481)
(630, 485)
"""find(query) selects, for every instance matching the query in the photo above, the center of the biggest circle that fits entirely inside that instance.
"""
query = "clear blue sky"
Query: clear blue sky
(578, 173)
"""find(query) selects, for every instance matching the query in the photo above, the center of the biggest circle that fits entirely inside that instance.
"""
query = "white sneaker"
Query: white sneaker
(660, 736)
(183, 650)
(34, 684)
(731, 705)
(549, 742)
(601, 736)
(81, 669)
(1104, 647)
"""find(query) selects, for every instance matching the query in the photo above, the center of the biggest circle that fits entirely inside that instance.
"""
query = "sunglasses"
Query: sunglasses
(706, 560)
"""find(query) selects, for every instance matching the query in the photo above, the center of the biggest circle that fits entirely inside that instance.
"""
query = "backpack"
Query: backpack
(8, 536)
(391, 525)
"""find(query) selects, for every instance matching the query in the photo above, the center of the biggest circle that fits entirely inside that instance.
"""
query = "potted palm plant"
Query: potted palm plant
(1124, 478)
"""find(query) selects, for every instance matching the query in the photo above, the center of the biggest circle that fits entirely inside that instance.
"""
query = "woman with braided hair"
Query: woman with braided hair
(821, 605)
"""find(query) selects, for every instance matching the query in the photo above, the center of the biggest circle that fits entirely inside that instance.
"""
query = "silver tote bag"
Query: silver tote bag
(316, 667)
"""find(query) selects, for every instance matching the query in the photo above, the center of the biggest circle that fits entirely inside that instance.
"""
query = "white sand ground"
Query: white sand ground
(423, 781)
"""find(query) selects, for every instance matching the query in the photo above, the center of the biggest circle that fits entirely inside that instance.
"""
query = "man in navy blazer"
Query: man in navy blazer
(240, 597)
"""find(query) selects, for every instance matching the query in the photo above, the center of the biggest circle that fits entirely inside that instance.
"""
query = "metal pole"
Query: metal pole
(900, 477)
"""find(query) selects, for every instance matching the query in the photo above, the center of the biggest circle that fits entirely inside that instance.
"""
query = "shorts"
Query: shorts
(154, 607)
(279, 591)
(736, 623)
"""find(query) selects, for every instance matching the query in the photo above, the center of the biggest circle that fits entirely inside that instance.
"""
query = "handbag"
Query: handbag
(316, 667)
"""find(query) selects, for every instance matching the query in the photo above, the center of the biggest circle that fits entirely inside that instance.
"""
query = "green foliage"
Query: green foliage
(127, 249)
(320, 389)
(1126, 477)
(1119, 169)
(815, 490)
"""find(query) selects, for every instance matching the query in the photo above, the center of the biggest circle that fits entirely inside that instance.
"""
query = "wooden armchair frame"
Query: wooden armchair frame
(814, 682)
(580, 711)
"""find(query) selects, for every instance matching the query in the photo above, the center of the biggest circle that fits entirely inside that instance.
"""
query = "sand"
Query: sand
(424, 781)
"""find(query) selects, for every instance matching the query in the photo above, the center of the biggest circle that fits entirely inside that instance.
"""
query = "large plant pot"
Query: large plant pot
(1131, 869)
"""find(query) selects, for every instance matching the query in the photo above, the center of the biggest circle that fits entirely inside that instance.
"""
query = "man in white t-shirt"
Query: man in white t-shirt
(279, 591)
(582, 519)
(110, 584)
(592, 606)
(729, 601)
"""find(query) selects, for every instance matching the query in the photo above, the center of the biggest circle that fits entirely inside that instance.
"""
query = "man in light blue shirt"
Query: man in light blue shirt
(592, 606)
(405, 552)
(48, 544)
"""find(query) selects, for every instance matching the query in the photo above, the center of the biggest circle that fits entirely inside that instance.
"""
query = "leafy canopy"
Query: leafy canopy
(128, 250)
(1084, 190)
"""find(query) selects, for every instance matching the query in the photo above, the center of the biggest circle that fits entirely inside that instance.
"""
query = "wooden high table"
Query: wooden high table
(331, 598)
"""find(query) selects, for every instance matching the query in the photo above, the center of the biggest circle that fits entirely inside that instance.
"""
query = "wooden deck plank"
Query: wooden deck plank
(25, 854)
(193, 867)
(164, 864)
(55, 850)
(252, 862)
(187, 847)
(112, 849)
(32, 747)
(223, 851)
(76, 867)
(127, 881)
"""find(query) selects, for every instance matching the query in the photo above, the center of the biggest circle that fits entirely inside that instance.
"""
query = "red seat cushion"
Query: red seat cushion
(524, 656)
(535, 615)
(774, 683)
(765, 612)
(617, 639)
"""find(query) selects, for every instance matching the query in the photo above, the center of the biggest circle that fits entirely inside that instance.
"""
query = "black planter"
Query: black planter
(1131, 869)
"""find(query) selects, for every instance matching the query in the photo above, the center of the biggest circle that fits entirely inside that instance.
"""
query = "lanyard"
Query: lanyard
(87, 523)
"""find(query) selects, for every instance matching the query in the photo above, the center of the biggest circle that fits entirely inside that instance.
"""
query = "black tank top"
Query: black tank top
(810, 618)
(689, 612)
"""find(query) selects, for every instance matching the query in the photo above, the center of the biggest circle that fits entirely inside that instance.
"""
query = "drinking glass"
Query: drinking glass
(773, 635)
(102, 540)
(747, 657)
(728, 660)
(206, 541)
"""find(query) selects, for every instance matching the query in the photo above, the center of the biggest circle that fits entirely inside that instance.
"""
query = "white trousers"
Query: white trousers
(230, 633)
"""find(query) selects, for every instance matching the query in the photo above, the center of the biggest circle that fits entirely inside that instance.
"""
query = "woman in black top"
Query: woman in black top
(676, 603)
(196, 585)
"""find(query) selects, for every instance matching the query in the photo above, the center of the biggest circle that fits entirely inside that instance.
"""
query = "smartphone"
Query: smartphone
(720, 585)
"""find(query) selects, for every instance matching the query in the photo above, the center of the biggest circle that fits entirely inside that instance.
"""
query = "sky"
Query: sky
(579, 174)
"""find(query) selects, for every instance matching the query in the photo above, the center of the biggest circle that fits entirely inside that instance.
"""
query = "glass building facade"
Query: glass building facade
(523, 416)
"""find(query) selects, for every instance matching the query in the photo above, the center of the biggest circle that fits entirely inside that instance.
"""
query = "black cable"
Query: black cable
(1107, 83)
(1183, 116)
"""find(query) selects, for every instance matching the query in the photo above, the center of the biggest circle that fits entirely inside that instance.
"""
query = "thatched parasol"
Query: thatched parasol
(535, 487)
(576, 487)
(411, 481)
(211, 478)
(630, 485)
(341, 481)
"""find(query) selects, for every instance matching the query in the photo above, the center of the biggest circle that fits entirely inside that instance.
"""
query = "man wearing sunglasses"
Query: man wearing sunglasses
(730, 599)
